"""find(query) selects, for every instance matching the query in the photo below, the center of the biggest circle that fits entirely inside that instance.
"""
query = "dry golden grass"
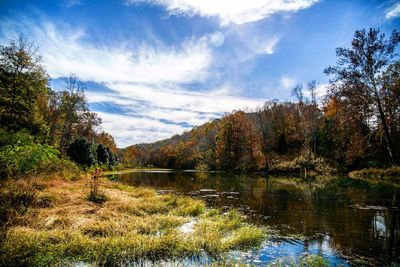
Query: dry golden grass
(134, 223)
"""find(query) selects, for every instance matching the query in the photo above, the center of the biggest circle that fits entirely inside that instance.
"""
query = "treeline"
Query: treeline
(40, 126)
(357, 124)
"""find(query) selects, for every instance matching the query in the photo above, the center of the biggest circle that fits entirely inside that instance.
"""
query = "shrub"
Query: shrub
(98, 198)
(12, 138)
(20, 159)
(15, 199)
(46, 201)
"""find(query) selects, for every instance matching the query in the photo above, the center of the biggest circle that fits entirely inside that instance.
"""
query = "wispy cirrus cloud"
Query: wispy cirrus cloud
(146, 64)
(393, 12)
(71, 3)
(238, 12)
(146, 84)
(176, 108)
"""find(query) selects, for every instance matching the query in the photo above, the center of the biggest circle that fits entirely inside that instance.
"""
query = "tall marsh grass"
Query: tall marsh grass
(135, 224)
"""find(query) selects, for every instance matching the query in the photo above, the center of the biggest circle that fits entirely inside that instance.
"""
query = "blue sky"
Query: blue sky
(155, 68)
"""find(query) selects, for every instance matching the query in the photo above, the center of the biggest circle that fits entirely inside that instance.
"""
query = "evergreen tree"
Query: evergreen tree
(82, 152)
(103, 157)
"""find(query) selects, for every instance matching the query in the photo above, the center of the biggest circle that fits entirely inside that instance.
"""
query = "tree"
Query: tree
(82, 152)
(312, 87)
(23, 87)
(103, 157)
(107, 140)
(73, 104)
(237, 148)
(391, 101)
(341, 135)
(302, 108)
(360, 68)
(53, 116)
(130, 154)
(113, 160)
(86, 125)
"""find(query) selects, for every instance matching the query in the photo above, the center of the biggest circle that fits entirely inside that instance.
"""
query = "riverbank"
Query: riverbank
(378, 175)
(128, 170)
(53, 222)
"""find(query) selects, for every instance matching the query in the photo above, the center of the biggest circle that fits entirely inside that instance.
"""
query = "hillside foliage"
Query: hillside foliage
(356, 125)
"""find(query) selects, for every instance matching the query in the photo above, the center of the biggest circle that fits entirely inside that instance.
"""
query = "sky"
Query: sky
(155, 68)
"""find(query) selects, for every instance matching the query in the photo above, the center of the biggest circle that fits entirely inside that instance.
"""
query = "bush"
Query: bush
(19, 159)
(15, 199)
(98, 198)
(82, 152)
(12, 138)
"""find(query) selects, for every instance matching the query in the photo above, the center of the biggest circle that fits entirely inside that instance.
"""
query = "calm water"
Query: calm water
(346, 221)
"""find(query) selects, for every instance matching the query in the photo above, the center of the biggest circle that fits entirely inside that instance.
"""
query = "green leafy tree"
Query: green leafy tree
(23, 88)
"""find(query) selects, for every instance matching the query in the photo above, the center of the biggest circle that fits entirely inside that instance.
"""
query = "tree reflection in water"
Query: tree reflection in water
(333, 214)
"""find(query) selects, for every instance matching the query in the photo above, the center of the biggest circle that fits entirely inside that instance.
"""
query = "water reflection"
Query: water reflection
(338, 216)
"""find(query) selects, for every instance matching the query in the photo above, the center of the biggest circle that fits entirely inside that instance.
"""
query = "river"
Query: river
(348, 222)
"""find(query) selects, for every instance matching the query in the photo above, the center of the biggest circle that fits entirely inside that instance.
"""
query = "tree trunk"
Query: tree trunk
(265, 137)
(389, 142)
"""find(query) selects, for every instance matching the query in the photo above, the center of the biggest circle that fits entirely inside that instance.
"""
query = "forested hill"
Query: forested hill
(357, 124)
(281, 135)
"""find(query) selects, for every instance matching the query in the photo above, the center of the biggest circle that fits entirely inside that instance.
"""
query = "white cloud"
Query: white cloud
(229, 11)
(267, 46)
(393, 12)
(128, 130)
(65, 52)
(178, 98)
(320, 91)
(217, 39)
(173, 105)
(252, 47)
(146, 108)
(71, 3)
(287, 82)
(146, 83)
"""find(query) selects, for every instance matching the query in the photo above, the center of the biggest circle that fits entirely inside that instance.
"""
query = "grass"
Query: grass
(296, 165)
(306, 261)
(387, 174)
(58, 225)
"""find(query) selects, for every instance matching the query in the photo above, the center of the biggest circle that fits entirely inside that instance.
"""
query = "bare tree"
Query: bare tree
(312, 86)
